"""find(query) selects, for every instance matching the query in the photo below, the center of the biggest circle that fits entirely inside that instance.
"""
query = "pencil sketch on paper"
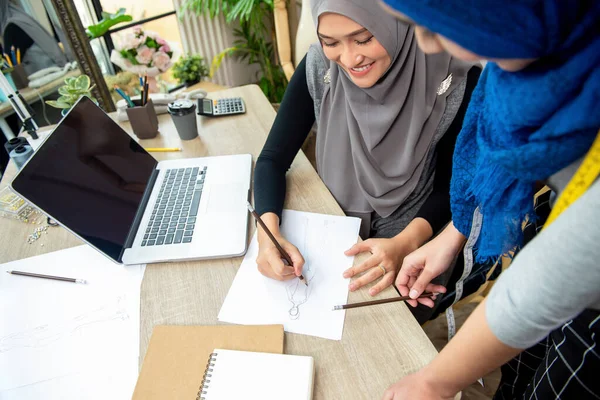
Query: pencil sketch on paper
(44, 335)
(298, 293)
(312, 248)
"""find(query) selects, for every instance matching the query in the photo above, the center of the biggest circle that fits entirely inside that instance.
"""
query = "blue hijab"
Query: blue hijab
(523, 126)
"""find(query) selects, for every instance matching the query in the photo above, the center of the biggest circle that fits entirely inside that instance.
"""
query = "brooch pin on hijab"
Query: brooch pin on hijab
(445, 85)
(327, 77)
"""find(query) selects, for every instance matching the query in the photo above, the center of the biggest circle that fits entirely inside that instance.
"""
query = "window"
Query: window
(153, 15)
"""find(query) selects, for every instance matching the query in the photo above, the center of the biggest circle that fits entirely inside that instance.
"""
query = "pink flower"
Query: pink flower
(131, 41)
(145, 55)
(161, 60)
(161, 41)
(137, 42)
(137, 30)
(165, 48)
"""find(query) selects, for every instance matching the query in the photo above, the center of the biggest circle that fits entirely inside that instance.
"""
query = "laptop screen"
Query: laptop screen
(90, 175)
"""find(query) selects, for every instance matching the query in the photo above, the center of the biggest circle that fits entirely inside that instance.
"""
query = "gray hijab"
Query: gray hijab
(375, 141)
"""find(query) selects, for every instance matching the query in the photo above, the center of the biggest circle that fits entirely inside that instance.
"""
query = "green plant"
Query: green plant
(190, 69)
(252, 39)
(74, 88)
(108, 20)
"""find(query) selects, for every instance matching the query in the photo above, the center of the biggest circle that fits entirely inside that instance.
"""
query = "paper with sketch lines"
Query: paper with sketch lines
(61, 340)
(322, 239)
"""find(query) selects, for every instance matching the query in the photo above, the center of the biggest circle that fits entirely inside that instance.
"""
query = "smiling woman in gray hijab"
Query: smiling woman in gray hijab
(387, 118)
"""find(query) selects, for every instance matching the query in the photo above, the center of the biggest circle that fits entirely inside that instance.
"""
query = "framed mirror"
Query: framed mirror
(80, 46)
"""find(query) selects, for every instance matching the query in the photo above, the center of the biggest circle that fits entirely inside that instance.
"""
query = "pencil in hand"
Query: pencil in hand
(382, 301)
(283, 253)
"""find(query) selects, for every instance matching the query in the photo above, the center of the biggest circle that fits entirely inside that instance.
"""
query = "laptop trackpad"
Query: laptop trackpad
(226, 198)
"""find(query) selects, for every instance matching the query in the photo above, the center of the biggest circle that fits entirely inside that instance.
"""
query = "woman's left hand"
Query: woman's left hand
(387, 254)
(414, 387)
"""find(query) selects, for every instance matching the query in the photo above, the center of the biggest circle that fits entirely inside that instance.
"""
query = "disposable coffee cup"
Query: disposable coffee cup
(183, 113)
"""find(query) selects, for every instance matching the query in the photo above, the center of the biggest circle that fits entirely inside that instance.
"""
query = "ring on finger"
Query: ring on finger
(380, 266)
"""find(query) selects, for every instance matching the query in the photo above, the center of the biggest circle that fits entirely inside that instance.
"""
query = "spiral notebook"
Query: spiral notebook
(176, 356)
(232, 374)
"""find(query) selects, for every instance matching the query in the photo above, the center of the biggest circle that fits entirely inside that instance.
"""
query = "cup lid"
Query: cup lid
(181, 107)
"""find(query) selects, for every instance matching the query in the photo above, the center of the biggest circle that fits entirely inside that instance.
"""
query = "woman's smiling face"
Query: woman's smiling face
(353, 48)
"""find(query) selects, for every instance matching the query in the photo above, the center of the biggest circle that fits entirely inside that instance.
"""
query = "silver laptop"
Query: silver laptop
(95, 180)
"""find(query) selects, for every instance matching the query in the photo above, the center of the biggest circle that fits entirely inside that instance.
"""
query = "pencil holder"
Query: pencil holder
(144, 121)
(19, 77)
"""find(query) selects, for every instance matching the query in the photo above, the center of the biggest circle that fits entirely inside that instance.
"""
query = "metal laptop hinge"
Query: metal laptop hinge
(140, 213)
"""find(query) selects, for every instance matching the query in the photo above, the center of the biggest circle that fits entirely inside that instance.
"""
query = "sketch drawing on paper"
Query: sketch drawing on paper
(298, 293)
(311, 248)
(44, 335)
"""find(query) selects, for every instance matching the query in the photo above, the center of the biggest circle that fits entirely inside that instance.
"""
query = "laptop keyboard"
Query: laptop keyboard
(174, 215)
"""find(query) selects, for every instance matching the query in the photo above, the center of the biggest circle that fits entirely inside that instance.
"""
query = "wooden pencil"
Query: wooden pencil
(56, 278)
(382, 301)
(162, 149)
(145, 94)
(283, 253)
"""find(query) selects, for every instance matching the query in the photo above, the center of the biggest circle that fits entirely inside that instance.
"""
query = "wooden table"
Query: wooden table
(380, 344)
(205, 85)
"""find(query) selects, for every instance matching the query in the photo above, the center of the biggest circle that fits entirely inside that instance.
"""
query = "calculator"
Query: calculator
(221, 107)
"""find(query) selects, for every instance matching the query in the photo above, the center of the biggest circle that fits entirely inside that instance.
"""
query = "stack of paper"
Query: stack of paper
(62, 340)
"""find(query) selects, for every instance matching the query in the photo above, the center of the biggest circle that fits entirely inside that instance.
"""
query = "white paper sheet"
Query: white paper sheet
(254, 299)
(57, 336)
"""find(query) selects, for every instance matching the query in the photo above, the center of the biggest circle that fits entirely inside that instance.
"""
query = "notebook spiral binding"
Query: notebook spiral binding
(206, 378)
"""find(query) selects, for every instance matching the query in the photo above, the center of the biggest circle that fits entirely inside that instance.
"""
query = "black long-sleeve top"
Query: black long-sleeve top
(292, 125)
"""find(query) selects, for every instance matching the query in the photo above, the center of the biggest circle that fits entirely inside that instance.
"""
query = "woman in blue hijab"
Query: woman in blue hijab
(533, 118)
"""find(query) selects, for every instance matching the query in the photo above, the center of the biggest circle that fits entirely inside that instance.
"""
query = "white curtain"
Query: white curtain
(208, 37)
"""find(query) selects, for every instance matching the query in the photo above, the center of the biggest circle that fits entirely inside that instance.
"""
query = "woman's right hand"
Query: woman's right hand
(269, 260)
(428, 262)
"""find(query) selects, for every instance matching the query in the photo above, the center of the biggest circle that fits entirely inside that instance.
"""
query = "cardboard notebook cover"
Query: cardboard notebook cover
(177, 356)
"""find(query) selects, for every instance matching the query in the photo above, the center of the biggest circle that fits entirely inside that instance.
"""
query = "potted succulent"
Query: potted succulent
(71, 91)
(190, 70)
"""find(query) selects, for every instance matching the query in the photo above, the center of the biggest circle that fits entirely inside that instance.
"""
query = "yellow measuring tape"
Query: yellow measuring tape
(586, 174)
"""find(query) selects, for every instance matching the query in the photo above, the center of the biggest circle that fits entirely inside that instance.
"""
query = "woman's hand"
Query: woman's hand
(428, 262)
(414, 387)
(387, 254)
(269, 260)
(479, 352)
